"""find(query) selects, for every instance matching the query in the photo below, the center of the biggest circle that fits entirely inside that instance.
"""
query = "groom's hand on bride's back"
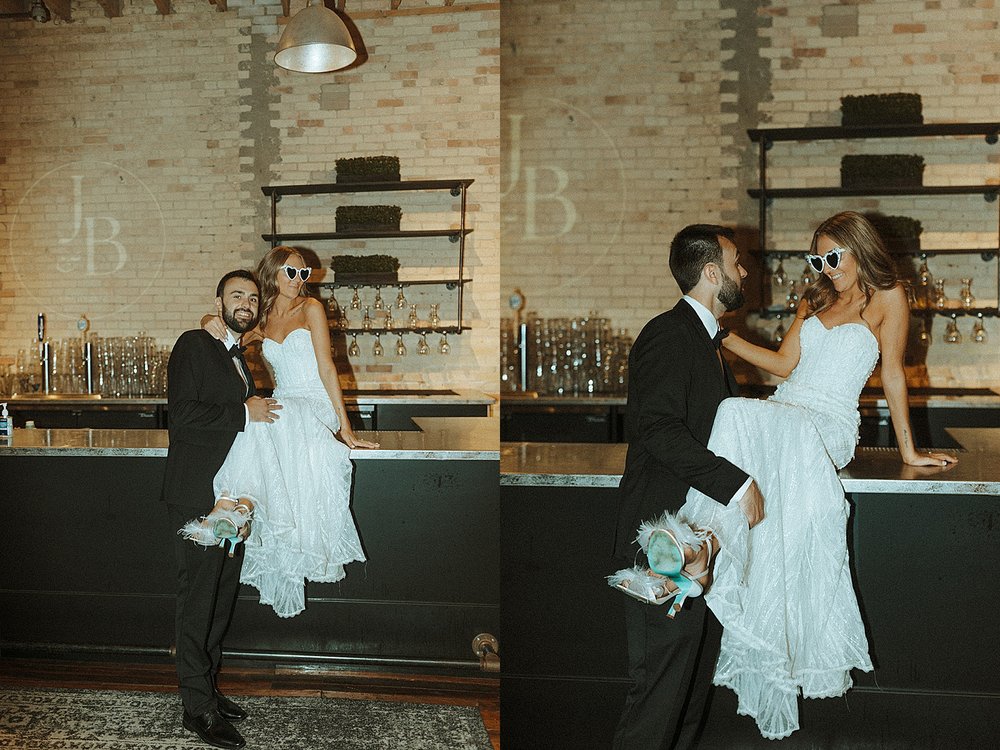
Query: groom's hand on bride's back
(262, 409)
(752, 504)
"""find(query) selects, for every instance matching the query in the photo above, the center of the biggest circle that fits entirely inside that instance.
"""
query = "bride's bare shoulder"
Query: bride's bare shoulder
(887, 305)
(893, 298)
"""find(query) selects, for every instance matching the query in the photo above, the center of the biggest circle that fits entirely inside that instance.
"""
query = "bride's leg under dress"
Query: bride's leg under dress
(783, 590)
(300, 475)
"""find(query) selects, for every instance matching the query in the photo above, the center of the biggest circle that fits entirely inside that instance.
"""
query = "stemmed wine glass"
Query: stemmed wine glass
(378, 304)
(434, 317)
(925, 332)
(366, 322)
(780, 277)
(356, 300)
(779, 332)
(354, 350)
(925, 282)
(940, 299)
(377, 349)
(413, 320)
(966, 294)
(978, 332)
(400, 299)
(444, 347)
(422, 347)
(951, 334)
(400, 346)
(807, 276)
(792, 298)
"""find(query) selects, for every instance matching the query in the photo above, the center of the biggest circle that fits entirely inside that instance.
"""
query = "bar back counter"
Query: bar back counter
(925, 548)
(87, 562)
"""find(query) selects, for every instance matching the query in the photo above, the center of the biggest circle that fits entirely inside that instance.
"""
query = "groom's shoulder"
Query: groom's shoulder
(672, 322)
(196, 338)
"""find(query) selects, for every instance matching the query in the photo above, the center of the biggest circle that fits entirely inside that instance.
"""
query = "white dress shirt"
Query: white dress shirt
(231, 341)
(712, 326)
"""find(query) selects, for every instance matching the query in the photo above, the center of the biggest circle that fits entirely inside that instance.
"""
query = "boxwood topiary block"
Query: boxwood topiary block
(364, 264)
(368, 169)
(367, 218)
(889, 170)
(881, 109)
(900, 233)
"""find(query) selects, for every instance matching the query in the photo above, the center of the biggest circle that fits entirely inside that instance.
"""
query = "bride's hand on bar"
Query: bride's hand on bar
(930, 458)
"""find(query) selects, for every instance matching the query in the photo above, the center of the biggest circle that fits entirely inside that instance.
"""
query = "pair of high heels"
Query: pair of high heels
(664, 541)
(228, 522)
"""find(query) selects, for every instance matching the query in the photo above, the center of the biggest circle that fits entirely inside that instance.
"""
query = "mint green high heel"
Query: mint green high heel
(664, 553)
(665, 556)
(228, 524)
(664, 542)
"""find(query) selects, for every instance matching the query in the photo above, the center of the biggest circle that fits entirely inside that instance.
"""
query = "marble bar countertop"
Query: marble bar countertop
(365, 397)
(439, 438)
(867, 400)
(873, 470)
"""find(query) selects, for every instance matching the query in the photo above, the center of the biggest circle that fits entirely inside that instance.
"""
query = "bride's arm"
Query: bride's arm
(217, 327)
(780, 362)
(315, 315)
(892, 343)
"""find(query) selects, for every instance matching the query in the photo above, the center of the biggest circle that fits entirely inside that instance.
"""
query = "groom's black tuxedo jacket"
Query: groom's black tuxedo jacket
(675, 386)
(205, 396)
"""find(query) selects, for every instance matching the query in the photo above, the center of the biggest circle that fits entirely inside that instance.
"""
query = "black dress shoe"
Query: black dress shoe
(214, 729)
(229, 710)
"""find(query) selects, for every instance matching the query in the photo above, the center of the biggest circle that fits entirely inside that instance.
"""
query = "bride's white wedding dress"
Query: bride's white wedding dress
(299, 476)
(783, 590)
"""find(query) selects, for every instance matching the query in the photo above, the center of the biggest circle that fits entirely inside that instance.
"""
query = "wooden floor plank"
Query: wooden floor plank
(268, 680)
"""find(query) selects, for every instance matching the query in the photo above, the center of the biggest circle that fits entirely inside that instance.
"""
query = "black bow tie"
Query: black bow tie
(719, 335)
(237, 351)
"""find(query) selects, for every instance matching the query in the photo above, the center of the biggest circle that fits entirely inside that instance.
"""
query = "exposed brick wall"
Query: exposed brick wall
(641, 110)
(175, 122)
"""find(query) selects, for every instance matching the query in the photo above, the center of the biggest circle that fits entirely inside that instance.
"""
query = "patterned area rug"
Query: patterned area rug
(118, 720)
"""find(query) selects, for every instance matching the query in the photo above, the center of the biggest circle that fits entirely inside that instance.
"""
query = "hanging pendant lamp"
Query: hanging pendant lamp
(315, 40)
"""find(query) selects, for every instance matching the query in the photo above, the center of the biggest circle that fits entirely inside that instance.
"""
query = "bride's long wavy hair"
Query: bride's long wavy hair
(267, 275)
(876, 270)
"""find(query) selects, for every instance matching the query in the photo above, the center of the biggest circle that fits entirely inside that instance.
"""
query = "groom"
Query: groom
(677, 378)
(210, 398)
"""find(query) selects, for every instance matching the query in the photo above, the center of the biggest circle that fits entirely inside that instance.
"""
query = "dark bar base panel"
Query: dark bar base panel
(86, 558)
(925, 570)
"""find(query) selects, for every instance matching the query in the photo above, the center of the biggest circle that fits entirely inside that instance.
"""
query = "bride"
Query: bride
(295, 472)
(783, 590)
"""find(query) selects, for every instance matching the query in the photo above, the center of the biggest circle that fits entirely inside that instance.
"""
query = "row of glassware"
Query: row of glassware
(378, 350)
(925, 292)
(121, 367)
(382, 318)
(564, 356)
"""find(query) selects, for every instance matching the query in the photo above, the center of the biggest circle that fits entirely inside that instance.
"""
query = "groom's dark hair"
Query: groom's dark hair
(239, 273)
(692, 248)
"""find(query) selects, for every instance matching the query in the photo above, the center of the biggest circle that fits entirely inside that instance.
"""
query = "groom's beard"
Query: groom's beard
(238, 326)
(730, 295)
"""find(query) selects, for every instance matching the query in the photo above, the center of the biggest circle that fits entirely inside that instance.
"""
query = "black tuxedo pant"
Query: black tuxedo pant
(670, 663)
(208, 582)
